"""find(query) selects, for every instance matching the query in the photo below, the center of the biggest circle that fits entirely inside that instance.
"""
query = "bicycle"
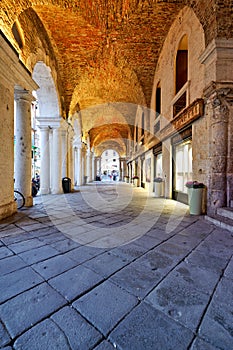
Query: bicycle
(19, 198)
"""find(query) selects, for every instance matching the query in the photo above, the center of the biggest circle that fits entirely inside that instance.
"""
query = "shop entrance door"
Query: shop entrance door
(182, 170)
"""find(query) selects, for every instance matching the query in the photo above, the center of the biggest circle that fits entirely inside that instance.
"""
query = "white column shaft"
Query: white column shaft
(64, 153)
(56, 163)
(23, 146)
(78, 166)
(45, 161)
(88, 165)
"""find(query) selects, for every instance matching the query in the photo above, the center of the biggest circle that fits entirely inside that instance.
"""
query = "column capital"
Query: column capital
(44, 127)
(21, 94)
(50, 122)
(77, 145)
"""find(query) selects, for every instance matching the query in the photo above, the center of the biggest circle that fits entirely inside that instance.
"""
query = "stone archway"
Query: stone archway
(52, 140)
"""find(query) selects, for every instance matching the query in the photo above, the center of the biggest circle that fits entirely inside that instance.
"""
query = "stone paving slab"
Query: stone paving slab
(23, 246)
(52, 237)
(105, 306)
(211, 263)
(4, 336)
(129, 251)
(79, 333)
(156, 261)
(53, 266)
(105, 346)
(23, 311)
(10, 231)
(45, 335)
(147, 328)
(229, 270)
(212, 248)
(16, 238)
(200, 344)
(184, 294)
(147, 242)
(169, 288)
(137, 279)
(75, 282)
(38, 254)
(216, 327)
(17, 282)
(65, 245)
(106, 264)
(10, 264)
(44, 232)
(84, 253)
(5, 252)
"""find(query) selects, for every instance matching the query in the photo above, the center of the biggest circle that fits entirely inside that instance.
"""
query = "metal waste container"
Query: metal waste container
(66, 184)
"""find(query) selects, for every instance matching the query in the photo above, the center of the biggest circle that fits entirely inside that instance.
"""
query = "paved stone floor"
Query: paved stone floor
(108, 268)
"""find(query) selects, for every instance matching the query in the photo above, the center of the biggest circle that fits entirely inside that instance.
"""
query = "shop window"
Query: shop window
(183, 165)
(158, 165)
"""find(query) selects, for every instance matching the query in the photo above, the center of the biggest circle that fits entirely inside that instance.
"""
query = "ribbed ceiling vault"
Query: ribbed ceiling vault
(102, 51)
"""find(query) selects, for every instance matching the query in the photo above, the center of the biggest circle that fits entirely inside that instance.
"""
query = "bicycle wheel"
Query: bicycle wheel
(19, 198)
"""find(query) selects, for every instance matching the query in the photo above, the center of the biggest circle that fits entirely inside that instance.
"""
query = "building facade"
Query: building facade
(151, 80)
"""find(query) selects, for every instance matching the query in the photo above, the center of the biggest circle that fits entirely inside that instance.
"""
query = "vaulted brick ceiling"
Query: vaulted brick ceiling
(106, 50)
(108, 53)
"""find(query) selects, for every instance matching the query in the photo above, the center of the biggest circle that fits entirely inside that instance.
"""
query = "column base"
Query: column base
(7, 210)
(45, 191)
(29, 201)
(57, 191)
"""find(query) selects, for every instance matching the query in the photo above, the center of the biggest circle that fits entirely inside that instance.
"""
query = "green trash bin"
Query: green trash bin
(158, 187)
(195, 192)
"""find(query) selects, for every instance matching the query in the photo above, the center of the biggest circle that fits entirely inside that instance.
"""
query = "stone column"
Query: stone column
(23, 146)
(122, 169)
(56, 162)
(64, 152)
(218, 113)
(99, 166)
(70, 155)
(93, 173)
(77, 164)
(45, 161)
(71, 173)
(125, 167)
(88, 165)
(7, 204)
(84, 165)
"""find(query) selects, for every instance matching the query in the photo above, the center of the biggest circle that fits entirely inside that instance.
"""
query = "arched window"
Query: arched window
(143, 123)
(158, 100)
(181, 76)
(182, 63)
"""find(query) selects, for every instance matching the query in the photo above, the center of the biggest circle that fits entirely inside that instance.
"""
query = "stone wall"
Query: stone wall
(186, 23)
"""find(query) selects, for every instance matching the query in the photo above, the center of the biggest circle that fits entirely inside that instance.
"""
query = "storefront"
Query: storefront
(158, 159)
(182, 164)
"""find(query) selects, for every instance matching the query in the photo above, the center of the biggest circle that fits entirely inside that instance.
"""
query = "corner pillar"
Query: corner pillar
(23, 145)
